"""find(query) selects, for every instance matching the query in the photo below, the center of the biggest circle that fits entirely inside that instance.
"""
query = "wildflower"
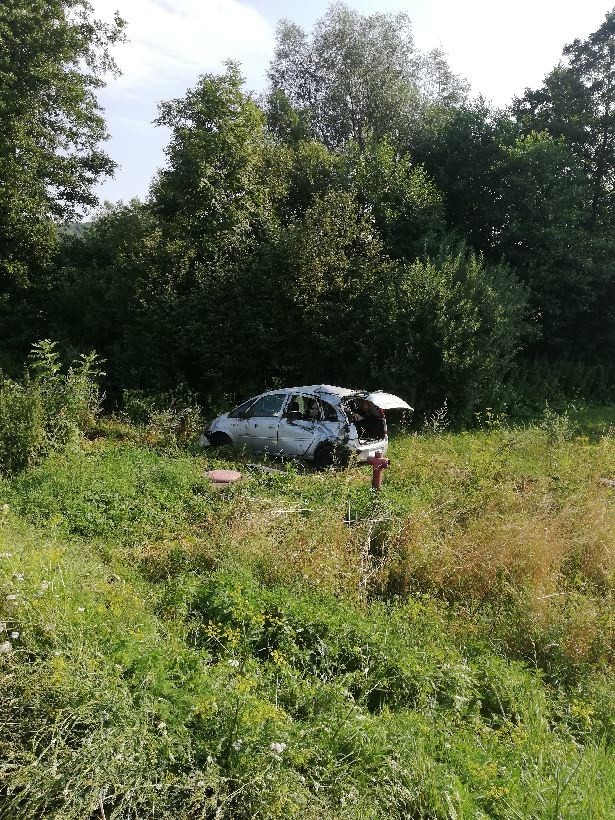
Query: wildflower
(277, 748)
(14, 635)
(234, 663)
(18, 576)
(237, 745)
(11, 597)
(44, 586)
(6, 647)
(81, 609)
(6, 554)
(2, 626)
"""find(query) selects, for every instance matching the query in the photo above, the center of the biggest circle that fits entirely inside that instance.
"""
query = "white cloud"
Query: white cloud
(170, 42)
(500, 47)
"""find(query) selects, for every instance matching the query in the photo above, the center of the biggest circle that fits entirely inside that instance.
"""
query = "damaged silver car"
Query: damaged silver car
(320, 423)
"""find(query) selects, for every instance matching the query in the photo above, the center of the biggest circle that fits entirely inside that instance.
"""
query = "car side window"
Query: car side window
(329, 413)
(237, 412)
(306, 406)
(268, 406)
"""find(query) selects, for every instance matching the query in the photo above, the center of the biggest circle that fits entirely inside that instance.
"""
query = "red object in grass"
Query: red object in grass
(223, 476)
(379, 464)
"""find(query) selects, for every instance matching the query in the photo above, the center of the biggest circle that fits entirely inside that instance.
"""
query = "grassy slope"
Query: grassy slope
(293, 646)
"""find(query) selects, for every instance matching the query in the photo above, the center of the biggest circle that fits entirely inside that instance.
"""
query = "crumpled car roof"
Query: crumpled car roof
(326, 390)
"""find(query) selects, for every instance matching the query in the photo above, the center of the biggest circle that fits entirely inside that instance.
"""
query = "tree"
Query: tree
(521, 197)
(285, 122)
(211, 198)
(333, 275)
(357, 76)
(438, 84)
(460, 149)
(405, 204)
(576, 105)
(213, 206)
(577, 102)
(54, 56)
(94, 304)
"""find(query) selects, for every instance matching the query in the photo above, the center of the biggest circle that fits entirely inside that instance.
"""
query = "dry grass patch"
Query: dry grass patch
(289, 543)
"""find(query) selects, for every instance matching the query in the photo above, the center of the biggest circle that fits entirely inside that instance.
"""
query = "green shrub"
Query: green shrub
(168, 420)
(70, 399)
(558, 381)
(22, 426)
(48, 410)
(456, 324)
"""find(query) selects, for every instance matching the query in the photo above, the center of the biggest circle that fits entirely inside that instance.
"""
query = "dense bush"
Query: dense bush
(456, 326)
(49, 409)
(22, 426)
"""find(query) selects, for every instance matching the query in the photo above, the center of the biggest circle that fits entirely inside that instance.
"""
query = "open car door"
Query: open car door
(387, 401)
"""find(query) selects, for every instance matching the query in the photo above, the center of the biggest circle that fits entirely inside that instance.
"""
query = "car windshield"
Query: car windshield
(239, 411)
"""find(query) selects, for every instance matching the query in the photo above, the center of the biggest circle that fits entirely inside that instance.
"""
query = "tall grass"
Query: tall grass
(294, 646)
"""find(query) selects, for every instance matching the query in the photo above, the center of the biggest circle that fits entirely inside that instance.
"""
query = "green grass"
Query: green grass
(294, 646)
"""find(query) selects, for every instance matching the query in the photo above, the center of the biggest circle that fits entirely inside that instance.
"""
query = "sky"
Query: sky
(500, 47)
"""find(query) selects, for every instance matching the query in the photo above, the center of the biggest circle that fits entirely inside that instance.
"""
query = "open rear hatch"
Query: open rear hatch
(367, 412)
(387, 401)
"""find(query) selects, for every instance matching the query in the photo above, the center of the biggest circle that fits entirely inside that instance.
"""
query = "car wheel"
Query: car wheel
(220, 440)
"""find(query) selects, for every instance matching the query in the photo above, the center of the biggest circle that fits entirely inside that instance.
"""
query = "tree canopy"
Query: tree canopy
(577, 103)
(358, 76)
(364, 222)
(54, 56)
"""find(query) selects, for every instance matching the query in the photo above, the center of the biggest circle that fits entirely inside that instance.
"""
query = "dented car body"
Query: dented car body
(320, 423)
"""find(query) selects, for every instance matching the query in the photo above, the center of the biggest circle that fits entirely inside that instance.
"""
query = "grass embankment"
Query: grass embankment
(293, 646)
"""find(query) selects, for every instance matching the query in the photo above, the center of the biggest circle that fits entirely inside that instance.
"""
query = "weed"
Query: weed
(49, 410)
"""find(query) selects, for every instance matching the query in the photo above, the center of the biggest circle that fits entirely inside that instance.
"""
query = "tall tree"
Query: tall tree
(405, 204)
(54, 56)
(577, 102)
(212, 196)
(212, 202)
(357, 76)
(335, 271)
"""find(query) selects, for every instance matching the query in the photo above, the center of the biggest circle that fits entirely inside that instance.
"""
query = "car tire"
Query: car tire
(220, 440)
